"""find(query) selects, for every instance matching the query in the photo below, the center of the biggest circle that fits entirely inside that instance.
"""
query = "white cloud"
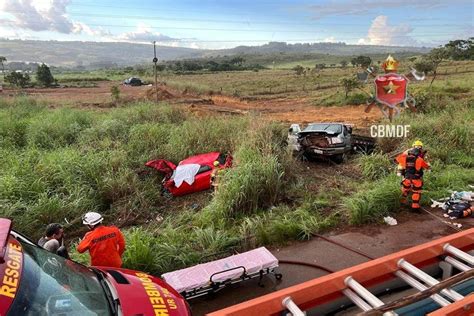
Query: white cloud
(39, 15)
(330, 39)
(80, 27)
(44, 15)
(145, 34)
(7, 32)
(381, 33)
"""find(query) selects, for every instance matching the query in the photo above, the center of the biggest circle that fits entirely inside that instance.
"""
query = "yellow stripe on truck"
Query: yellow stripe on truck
(10, 279)
(160, 304)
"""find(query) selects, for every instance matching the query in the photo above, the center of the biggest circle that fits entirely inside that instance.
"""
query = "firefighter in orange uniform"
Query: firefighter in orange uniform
(105, 243)
(411, 166)
(215, 174)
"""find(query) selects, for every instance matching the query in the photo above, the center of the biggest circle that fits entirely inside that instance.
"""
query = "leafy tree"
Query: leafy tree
(18, 79)
(320, 66)
(344, 63)
(190, 66)
(160, 67)
(349, 84)
(44, 76)
(299, 70)
(424, 65)
(115, 91)
(237, 60)
(436, 57)
(461, 49)
(362, 61)
(212, 65)
(2, 60)
(140, 70)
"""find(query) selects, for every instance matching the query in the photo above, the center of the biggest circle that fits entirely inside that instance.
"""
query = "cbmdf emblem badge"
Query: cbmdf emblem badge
(391, 89)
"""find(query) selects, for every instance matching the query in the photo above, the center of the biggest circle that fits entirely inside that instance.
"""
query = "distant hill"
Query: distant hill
(62, 53)
(338, 49)
(106, 54)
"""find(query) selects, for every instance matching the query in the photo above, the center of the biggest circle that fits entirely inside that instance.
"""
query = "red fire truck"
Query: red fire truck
(37, 282)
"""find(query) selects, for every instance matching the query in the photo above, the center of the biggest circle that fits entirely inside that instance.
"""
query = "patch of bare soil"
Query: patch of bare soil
(163, 94)
(284, 109)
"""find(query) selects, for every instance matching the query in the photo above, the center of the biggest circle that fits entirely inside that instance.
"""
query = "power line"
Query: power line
(235, 13)
(147, 17)
(226, 29)
(273, 40)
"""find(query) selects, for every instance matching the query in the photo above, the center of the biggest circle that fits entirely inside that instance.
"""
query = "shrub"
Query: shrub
(18, 79)
(197, 136)
(374, 166)
(256, 181)
(357, 98)
(44, 76)
(444, 178)
(149, 141)
(115, 92)
(283, 224)
(140, 252)
(376, 200)
(350, 84)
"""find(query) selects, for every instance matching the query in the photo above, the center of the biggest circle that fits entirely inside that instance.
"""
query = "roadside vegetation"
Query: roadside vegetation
(57, 164)
(445, 127)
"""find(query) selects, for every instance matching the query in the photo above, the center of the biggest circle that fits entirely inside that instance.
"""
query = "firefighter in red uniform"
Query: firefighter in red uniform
(105, 243)
(411, 166)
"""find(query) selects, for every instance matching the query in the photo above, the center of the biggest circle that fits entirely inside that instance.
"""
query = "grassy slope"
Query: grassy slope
(62, 163)
(445, 127)
(58, 164)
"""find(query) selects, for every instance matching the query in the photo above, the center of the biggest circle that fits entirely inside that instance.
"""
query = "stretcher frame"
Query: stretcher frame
(215, 286)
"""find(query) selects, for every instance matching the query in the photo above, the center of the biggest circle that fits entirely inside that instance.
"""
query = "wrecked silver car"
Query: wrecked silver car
(332, 140)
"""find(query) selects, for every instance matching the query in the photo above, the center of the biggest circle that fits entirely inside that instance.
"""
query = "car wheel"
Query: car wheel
(339, 158)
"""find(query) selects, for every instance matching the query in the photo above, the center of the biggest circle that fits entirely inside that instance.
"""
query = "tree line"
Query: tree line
(227, 64)
(20, 79)
(428, 64)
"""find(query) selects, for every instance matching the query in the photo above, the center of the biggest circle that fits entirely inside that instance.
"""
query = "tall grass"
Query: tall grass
(445, 127)
(258, 179)
(376, 200)
(62, 163)
(57, 128)
(375, 166)
(59, 164)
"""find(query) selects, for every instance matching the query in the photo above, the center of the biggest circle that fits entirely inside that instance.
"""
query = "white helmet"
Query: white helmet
(92, 218)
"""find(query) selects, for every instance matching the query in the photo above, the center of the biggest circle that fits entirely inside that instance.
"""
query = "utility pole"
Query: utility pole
(155, 60)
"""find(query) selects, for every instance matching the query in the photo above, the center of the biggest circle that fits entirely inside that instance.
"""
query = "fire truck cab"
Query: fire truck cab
(37, 282)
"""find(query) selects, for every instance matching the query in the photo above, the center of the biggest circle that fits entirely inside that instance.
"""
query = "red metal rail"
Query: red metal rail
(464, 307)
(311, 293)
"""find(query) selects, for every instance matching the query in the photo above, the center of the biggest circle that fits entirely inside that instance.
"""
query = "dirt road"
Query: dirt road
(375, 241)
(295, 110)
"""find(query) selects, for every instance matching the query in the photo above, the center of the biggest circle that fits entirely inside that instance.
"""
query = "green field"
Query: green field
(60, 163)
(322, 87)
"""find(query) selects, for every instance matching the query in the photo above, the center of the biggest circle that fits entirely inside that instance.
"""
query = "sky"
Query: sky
(213, 24)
